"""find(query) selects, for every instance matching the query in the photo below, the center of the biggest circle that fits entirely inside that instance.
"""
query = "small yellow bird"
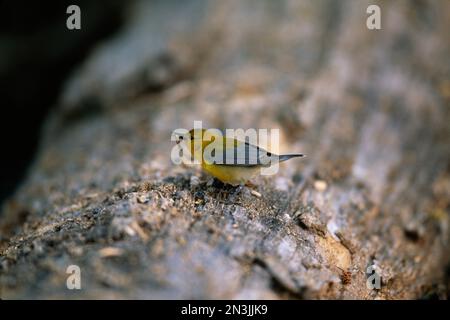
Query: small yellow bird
(241, 160)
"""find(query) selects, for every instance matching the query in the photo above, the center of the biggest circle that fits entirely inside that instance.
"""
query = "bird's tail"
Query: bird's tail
(284, 157)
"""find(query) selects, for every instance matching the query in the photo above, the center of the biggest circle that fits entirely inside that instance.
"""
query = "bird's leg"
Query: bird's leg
(238, 189)
(210, 182)
(230, 189)
(232, 192)
(216, 183)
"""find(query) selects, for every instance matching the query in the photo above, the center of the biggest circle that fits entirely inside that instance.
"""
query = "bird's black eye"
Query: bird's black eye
(269, 154)
(181, 137)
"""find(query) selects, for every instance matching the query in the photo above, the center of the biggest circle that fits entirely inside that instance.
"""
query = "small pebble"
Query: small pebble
(320, 185)
(255, 193)
(139, 230)
(110, 252)
(181, 240)
(142, 199)
(76, 251)
(130, 231)
(195, 181)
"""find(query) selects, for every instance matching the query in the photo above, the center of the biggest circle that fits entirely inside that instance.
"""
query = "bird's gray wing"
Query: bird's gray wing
(242, 154)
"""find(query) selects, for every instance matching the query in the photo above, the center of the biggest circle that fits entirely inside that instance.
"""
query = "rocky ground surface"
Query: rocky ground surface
(370, 109)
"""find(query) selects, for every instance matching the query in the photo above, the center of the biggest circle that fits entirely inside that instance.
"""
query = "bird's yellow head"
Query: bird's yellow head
(196, 141)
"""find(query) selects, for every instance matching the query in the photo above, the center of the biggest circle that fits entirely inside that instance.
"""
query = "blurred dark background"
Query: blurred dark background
(36, 54)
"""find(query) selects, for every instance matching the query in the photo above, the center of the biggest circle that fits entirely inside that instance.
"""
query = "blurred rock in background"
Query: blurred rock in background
(37, 54)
